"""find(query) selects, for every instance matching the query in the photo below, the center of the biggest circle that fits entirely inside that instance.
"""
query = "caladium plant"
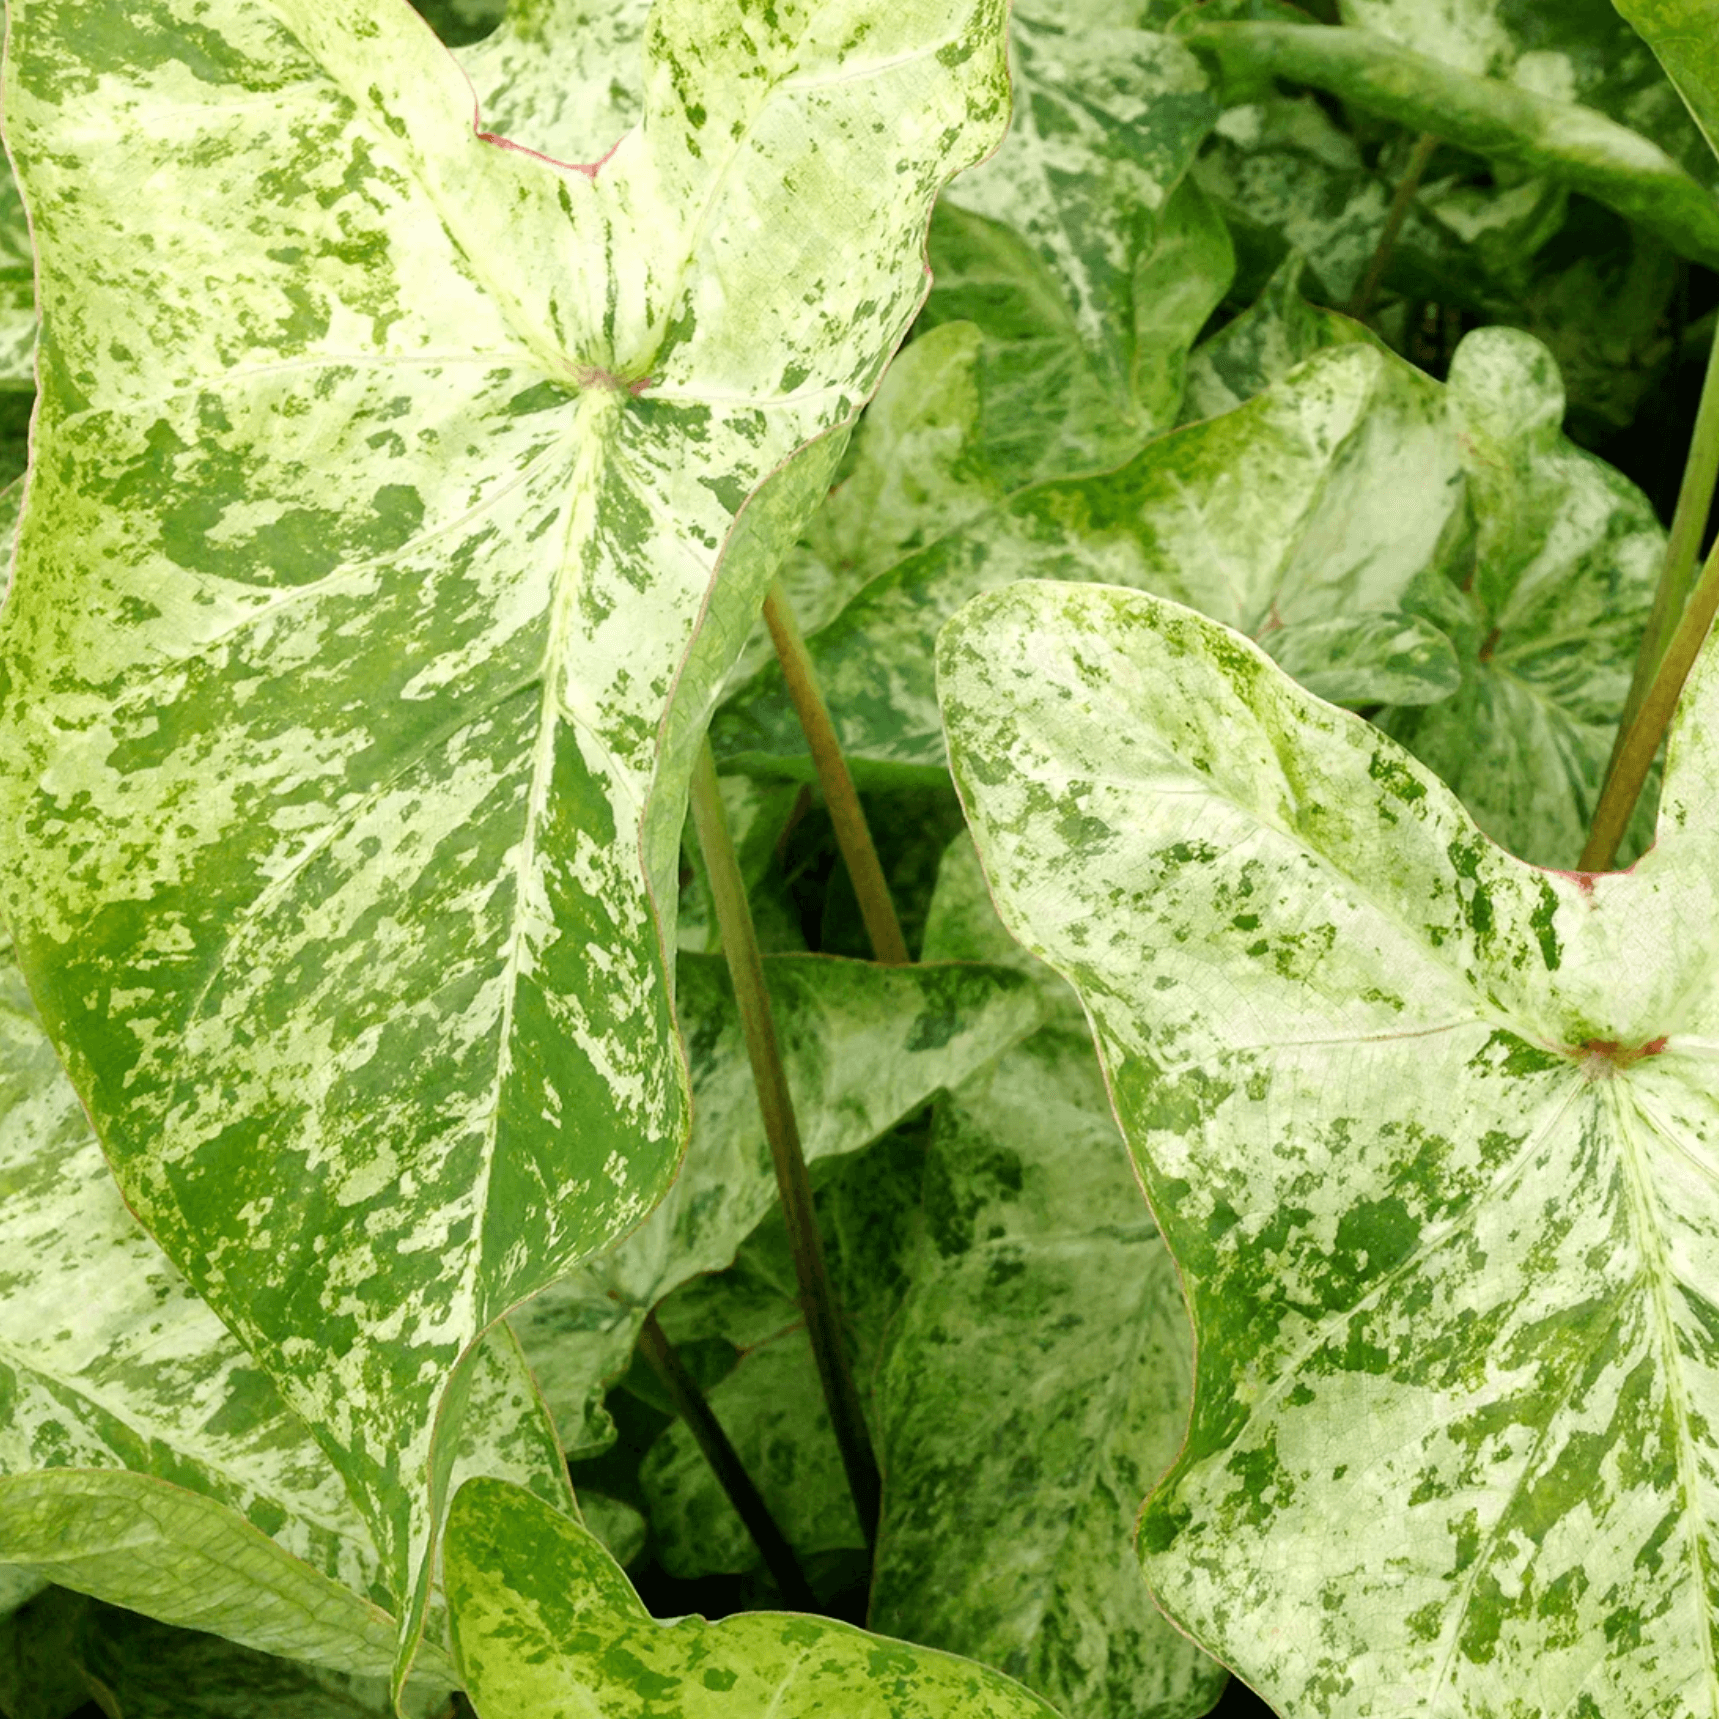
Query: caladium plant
(433, 439)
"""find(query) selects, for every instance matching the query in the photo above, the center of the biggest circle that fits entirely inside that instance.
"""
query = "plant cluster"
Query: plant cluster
(694, 926)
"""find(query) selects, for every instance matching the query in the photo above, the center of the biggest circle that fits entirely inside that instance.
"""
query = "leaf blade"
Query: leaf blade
(581, 1642)
(407, 596)
(1433, 1174)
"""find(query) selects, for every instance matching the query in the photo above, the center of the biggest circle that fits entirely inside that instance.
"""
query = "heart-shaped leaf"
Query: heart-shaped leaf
(545, 1623)
(1431, 1134)
(364, 626)
(863, 1046)
(1064, 247)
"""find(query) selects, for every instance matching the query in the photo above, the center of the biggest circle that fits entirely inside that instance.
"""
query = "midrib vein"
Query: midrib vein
(594, 418)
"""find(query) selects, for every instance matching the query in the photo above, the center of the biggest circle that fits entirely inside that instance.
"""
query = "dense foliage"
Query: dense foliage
(489, 1220)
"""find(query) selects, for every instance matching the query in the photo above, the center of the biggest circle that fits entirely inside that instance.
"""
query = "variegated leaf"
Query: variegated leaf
(545, 1623)
(1047, 412)
(1545, 597)
(563, 77)
(1296, 508)
(1012, 1346)
(362, 632)
(144, 1457)
(1574, 53)
(1107, 120)
(1278, 331)
(1287, 180)
(1432, 1136)
(863, 1046)
(1034, 1386)
(1518, 127)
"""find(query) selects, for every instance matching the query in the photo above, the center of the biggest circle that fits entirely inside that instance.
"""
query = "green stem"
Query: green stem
(1636, 754)
(746, 966)
(1688, 526)
(725, 1463)
(1361, 305)
(853, 834)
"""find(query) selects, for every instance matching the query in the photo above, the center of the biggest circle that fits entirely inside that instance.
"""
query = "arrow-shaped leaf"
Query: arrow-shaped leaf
(1069, 246)
(1432, 1136)
(382, 559)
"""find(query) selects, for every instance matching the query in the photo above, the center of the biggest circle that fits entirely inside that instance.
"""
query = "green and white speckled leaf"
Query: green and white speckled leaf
(1322, 497)
(143, 1455)
(1034, 1386)
(1278, 331)
(1505, 122)
(1030, 1209)
(1048, 411)
(863, 1045)
(545, 1623)
(361, 636)
(1545, 598)
(1107, 121)
(1288, 180)
(17, 288)
(1432, 1136)
(563, 77)
(1682, 33)
(1575, 51)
